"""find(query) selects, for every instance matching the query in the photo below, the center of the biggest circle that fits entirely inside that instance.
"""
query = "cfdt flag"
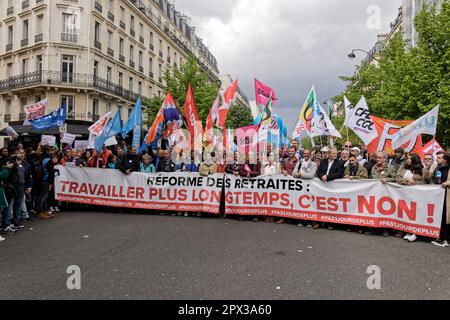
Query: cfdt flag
(190, 111)
(263, 93)
(54, 119)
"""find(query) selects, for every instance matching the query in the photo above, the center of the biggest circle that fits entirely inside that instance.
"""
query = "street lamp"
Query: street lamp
(352, 54)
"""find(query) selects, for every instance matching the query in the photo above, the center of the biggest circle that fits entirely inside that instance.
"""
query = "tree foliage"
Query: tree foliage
(177, 80)
(239, 116)
(409, 82)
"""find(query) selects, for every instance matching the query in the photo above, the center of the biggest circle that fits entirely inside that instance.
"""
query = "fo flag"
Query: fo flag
(263, 93)
(54, 119)
(386, 130)
(360, 120)
(425, 125)
(190, 111)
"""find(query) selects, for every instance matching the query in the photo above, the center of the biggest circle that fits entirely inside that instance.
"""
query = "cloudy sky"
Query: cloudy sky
(289, 44)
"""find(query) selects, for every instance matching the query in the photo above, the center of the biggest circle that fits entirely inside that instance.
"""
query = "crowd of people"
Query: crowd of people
(27, 175)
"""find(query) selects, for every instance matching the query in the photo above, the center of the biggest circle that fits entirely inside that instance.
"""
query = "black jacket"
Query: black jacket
(232, 168)
(129, 162)
(165, 165)
(336, 171)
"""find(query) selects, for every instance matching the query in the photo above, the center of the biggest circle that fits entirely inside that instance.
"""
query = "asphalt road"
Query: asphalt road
(140, 256)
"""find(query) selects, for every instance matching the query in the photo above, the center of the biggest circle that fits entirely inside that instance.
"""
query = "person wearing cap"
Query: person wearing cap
(324, 153)
(357, 152)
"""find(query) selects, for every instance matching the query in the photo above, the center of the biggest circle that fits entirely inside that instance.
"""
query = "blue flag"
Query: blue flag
(134, 122)
(113, 127)
(54, 119)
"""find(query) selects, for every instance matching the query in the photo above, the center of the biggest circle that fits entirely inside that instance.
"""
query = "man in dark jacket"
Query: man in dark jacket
(331, 169)
(166, 164)
(130, 162)
(25, 183)
(235, 167)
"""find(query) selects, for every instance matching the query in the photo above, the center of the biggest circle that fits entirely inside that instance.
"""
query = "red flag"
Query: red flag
(228, 96)
(190, 111)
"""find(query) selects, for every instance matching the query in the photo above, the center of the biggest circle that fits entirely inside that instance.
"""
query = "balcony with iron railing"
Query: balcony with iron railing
(110, 16)
(121, 58)
(161, 55)
(10, 11)
(122, 25)
(69, 37)
(38, 38)
(7, 117)
(24, 42)
(110, 52)
(150, 74)
(151, 47)
(66, 79)
(141, 39)
(98, 45)
(132, 32)
(132, 64)
(9, 47)
(141, 69)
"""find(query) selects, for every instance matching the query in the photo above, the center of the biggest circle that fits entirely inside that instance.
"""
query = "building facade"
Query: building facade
(94, 56)
(403, 22)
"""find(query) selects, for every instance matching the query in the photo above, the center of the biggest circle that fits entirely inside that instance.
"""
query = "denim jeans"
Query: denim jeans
(23, 210)
(18, 205)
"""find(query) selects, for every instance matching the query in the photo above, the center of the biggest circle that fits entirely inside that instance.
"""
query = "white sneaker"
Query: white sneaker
(56, 209)
(186, 214)
(52, 209)
(412, 238)
(300, 225)
(2, 239)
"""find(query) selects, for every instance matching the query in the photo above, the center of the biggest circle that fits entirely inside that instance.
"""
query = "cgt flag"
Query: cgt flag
(54, 119)
(425, 125)
(432, 148)
(190, 111)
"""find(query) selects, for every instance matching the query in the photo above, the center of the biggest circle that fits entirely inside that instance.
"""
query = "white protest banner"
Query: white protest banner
(81, 144)
(48, 140)
(369, 203)
(68, 138)
(425, 125)
(360, 121)
(35, 111)
(161, 191)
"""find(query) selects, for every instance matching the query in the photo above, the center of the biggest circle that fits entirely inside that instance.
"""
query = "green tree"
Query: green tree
(177, 81)
(407, 83)
(239, 116)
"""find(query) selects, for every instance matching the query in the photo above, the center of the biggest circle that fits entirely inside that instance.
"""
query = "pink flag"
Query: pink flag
(263, 93)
